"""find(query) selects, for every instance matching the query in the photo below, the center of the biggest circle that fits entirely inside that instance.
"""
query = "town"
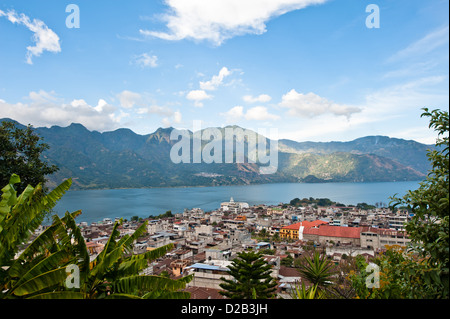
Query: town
(207, 242)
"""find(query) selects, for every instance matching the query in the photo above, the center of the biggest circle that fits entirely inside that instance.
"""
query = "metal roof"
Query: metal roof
(207, 267)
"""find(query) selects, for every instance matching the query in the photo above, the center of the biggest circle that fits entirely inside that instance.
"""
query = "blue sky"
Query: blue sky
(312, 69)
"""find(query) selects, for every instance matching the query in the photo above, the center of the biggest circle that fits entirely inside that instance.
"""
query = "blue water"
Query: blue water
(111, 203)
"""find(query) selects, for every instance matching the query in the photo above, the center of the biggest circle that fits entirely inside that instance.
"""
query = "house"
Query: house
(208, 275)
(218, 252)
(378, 238)
(288, 278)
(179, 266)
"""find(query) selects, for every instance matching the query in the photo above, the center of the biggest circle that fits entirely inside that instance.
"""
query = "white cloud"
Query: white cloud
(233, 115)
(170, 116)
(45, 38)
(392, 111)
(263, 98)
(218, 20)
(145, 60)
(156, 109)
(257, 113)
(428, 43)
(311, 105)
(215, 81)
(45, 109)
(260, 113)
(197, 96)
(177, 117)
(128, 99)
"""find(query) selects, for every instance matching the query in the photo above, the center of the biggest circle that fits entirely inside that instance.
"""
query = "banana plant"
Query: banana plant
(39, 264)
(40, 271)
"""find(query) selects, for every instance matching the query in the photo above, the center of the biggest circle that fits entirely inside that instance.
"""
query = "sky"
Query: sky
(310, 70)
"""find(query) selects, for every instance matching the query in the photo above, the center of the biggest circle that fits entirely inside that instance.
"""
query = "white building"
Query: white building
(232, 206)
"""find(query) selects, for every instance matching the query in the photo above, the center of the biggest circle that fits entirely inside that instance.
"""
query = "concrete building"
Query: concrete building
(333, 234)
(232, 206)
(208, 275)
(378, 238)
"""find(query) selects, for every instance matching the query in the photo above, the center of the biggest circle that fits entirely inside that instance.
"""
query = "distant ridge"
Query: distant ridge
(124, 159)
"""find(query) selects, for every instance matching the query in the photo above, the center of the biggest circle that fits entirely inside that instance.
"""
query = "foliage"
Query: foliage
(20, 153)
(318, 270)
(402, 275)
(41, 269)
(422, 270)
(301, 292)
(20, 216)
(365, 206)
(323, 202)
(288, 261)
(167, 214)
(251, 278)
(429, 204)
(115, 271)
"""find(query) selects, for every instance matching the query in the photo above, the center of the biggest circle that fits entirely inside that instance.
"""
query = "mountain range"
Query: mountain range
(124, 159)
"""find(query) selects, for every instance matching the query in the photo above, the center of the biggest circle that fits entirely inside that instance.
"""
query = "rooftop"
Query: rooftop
(305, 224)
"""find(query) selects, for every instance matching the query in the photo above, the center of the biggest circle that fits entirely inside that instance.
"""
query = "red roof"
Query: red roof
(305, 224)
(334, 231)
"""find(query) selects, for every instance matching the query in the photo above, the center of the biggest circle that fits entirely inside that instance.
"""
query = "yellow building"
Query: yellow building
(292, 231)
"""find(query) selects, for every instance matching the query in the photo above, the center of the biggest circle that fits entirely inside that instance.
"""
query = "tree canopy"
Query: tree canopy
(21, 151)
(252, 278)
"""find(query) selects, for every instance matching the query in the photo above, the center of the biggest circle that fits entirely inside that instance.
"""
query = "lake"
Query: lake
(111, 203)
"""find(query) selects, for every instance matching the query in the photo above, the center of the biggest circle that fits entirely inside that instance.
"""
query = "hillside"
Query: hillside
(124, 159)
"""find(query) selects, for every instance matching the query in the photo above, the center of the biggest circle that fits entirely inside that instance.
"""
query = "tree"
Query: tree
(429, 227)
(20, 216)
(20, 153)
(41, 269)
(288, 261)
(252, 278)
(421, 270)
(318, 270)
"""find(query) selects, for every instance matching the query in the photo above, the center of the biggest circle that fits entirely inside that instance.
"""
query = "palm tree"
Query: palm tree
(318, 270)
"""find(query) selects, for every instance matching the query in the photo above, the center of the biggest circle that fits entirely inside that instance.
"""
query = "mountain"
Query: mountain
(124, 159)
(407, 152)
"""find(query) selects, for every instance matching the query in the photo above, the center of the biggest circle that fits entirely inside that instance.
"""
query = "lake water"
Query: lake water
(111, 203)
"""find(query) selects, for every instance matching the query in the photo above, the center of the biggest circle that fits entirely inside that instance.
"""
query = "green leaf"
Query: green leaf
(46, 280)
(59, 295)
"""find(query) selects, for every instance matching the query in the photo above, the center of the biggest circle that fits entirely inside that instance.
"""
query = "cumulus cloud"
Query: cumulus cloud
(216, 80)
(145, 60)
(311, 105)
(198, 96)
(169, 116)
(46, 109)
(263, 98)
(260, 113)
(257, 113)
(45, 39)
(233, 115)
(219, 20)
(128, 99)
